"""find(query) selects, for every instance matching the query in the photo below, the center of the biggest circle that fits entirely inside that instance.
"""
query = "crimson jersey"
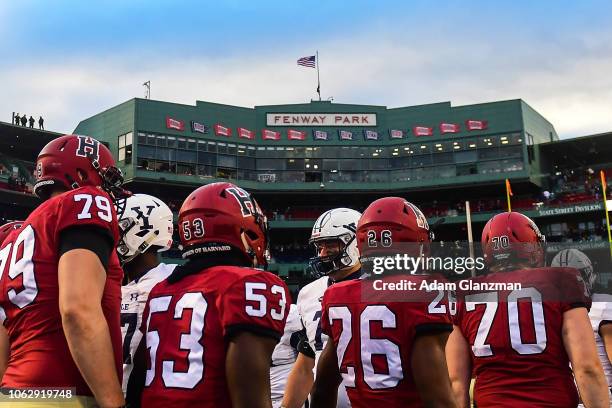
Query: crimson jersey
(29, 306)
(187, 324)
(517, 349)
(374, 332)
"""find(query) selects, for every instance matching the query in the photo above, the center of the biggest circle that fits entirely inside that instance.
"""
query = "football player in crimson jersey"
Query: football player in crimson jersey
(146, 226)
(388, 350)
(60, 286)
(337, 259)
(211, 326)
(521, 341)
(5, 231)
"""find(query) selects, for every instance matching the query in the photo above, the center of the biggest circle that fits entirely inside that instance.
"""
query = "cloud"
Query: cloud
(569, 85)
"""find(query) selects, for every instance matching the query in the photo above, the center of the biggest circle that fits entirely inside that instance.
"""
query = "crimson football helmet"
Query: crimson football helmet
(219, 217)
(388, 221)
(73, 161)
(512, 237)
(7, 228)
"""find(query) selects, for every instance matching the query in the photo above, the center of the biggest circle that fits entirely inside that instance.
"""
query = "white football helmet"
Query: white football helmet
(574, 258)
(339, 225)
(145, 221)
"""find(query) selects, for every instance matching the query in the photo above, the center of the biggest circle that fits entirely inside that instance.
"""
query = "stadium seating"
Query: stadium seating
(16, 175)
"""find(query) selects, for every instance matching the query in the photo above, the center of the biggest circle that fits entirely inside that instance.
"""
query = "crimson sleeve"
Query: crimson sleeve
(430, 317)
(87, 207)
(257, 303)
(88, 237)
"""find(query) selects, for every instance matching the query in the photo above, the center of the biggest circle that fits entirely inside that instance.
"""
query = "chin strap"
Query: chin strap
(141, 249)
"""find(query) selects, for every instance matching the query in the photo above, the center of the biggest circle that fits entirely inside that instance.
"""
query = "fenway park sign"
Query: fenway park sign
(321, 119)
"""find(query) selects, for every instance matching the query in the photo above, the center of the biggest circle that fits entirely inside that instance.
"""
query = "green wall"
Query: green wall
(149, 116)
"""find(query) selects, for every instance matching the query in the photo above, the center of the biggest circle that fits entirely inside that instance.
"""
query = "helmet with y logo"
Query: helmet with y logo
(335, 228)
(145, 222)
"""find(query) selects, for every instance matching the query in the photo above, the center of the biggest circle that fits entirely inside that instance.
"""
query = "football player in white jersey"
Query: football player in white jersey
(601, 307)
(146, 227)
(337, 259)
(284, 356)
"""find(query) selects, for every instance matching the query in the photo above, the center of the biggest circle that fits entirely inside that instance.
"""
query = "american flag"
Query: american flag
(307, 61)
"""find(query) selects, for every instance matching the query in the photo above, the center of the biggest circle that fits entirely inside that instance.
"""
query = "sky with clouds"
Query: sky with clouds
(68, 60)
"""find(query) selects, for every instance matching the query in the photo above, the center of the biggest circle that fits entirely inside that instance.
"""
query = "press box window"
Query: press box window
(125, 147)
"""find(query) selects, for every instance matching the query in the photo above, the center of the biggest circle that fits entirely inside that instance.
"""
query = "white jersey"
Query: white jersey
(601, 311)
(309, 308)
(284, 352)
(284, 356)
(133, 299)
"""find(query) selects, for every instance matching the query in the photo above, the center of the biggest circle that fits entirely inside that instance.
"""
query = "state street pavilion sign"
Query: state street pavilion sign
(321, 119)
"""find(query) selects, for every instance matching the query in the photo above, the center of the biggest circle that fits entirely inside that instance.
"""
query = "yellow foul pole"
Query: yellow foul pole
(605, 201)
(508, 194)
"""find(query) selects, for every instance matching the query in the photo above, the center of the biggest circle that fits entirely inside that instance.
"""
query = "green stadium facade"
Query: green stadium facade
(322, 145)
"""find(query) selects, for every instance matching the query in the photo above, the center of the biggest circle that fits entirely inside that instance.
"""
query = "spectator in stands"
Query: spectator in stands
(41, 123)
(24, 120)
(31, 120)
(596, 191)
(17, 118)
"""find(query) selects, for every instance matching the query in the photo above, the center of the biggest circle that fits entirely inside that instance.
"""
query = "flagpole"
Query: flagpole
(604, 186)
(318, 79)
(468, 217)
